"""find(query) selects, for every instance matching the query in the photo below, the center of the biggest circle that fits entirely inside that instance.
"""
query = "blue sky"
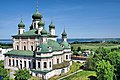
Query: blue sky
(81, 18)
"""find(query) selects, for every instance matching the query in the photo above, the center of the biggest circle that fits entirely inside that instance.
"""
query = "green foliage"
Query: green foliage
(79, 49)
(90, 64)
(1, 63)
(94, 46)
(104, 70)
(4, 46)
(72, 48)
(22, 74)
(114, 58)
(3, 72)
(83, 75)
(75, 53)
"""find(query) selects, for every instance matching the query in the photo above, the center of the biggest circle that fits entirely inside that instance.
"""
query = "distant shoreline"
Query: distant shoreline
(9, 41)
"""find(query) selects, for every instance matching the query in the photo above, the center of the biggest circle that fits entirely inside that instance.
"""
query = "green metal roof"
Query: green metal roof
(55, 45)
(32, 32)
(20, 53)
(44, 47)
(66, 45)
(39, 71)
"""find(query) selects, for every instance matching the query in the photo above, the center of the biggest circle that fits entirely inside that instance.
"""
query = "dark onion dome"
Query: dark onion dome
(37, 15)
(21, 24)
(51, 25)
(41, 23)
(43, 32)
(64, 34)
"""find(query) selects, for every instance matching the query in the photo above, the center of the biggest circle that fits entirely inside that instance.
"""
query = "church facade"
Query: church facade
(38, 50)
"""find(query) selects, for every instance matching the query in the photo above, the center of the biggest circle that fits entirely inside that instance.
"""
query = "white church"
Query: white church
(38, 50)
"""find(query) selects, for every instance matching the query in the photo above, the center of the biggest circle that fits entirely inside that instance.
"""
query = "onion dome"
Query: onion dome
(64, 34)
(43, 32)
(41, 23)
(51, 25)
(37, 15)
(21, 24)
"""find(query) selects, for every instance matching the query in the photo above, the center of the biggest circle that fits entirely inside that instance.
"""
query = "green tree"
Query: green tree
(1, 63)
(104, 70)
(114, 58)
(22, 74)
(75, 53)
(71, 48)
(79, 49)
(90, 64)
(4, 73)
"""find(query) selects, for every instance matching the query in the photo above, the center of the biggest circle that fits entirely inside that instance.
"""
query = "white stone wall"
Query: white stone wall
(47, 60)
(52, 38)
(27, 42)
(44, 55)
(20, 64)
(51, 73)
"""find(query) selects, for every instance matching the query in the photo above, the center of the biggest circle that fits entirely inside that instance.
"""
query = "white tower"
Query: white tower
(52, 28)
(36, 18)
(21, 27)
(64, 36)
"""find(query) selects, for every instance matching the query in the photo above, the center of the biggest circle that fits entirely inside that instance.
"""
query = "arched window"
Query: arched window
(19, 32)
(17, 47)
(32, 48)
(50, 64)
(24, 63)
(34, 25)
(9, 62)
(16, 62)
(13, 63)
(66, 56)
(29, 64)
(57, 61)
(45, 64)
(24, 47)
(38, 64)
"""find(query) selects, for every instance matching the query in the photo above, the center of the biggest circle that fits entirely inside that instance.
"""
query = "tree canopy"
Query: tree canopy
(104, 70)
(22, 74)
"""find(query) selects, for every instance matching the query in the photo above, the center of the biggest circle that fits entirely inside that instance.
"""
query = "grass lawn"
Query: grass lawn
(83, 75)
(94, 46)
(75, 66)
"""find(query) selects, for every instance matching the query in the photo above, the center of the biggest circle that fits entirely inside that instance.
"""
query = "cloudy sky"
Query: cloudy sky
(81, 18)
